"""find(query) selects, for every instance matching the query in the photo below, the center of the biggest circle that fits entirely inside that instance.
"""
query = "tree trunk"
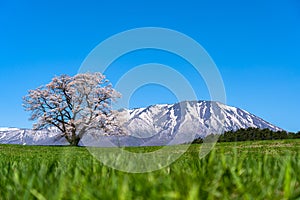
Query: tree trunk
(74, 141)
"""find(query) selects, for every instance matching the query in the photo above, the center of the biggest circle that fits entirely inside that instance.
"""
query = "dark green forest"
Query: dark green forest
(250, 134)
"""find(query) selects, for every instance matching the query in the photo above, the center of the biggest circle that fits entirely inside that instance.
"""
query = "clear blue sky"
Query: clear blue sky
(255, 44)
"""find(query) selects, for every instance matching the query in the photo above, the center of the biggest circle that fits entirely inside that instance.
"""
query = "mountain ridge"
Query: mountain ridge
(159, 124)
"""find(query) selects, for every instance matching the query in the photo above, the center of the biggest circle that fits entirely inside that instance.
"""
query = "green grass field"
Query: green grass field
(244, 170)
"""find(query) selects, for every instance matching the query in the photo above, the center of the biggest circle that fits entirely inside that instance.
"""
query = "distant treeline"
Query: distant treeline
(251, 134)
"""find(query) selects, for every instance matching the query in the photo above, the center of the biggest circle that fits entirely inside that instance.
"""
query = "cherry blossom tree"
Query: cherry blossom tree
(75, 105)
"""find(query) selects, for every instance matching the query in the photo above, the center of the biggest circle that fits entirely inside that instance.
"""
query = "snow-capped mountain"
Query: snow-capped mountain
(31, 137)
(160, 124)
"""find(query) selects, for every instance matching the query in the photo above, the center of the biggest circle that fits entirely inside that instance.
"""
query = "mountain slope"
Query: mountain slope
(160, 124)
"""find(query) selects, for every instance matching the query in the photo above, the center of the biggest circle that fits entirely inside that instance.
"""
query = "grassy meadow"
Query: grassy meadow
(242, 170)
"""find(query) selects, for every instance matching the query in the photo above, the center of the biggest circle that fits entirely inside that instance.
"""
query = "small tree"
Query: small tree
(74, 105)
